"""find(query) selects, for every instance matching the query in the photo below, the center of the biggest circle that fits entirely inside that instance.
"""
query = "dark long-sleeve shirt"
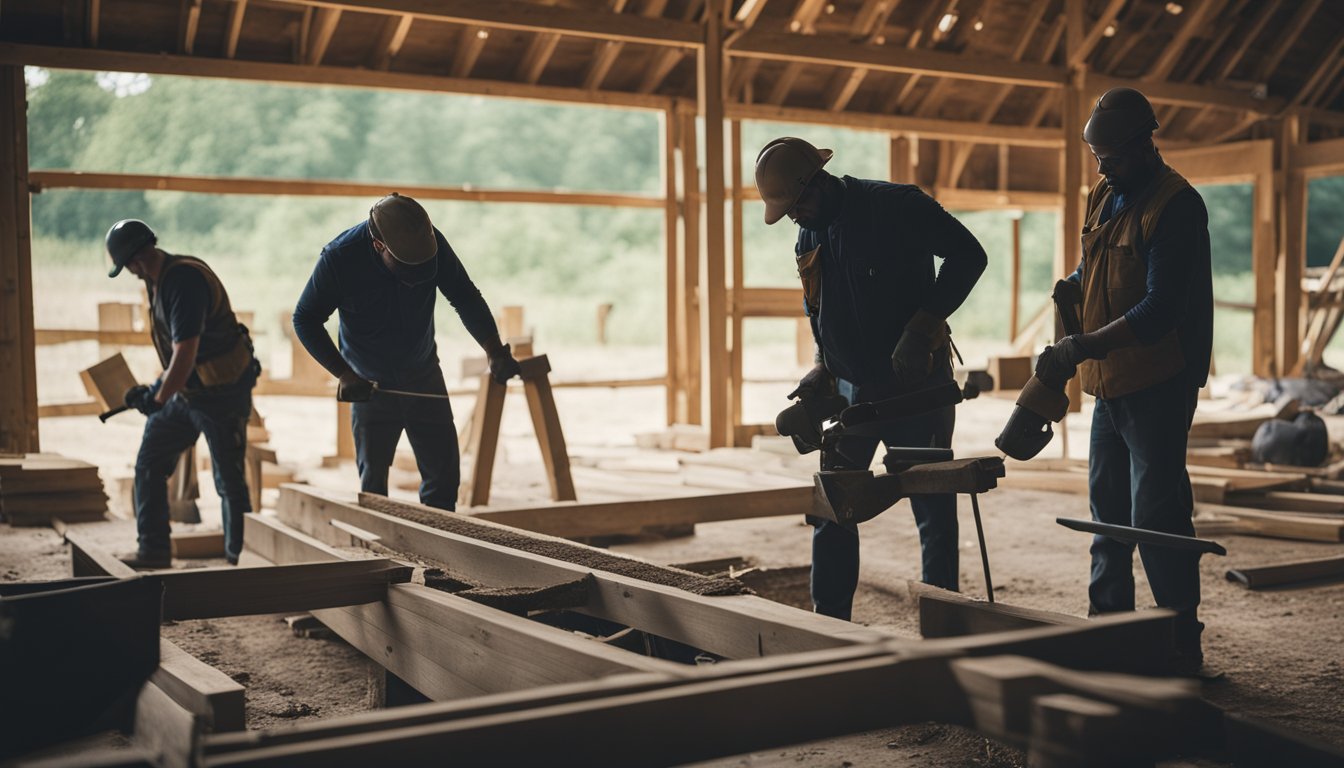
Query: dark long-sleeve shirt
(1179, 287)
(878, 270)
(386, 326)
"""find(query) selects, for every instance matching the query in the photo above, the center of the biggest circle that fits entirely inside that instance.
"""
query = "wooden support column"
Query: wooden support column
(1292, 246)
(688, 277)
(710, 69)
(1072, 185)
(671, 220)
(1264, 253)
(739, 258)
(903, 150)
(1014, 297)
(18, 362)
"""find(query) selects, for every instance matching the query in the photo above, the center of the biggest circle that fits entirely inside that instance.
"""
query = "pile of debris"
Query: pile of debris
(36, 487)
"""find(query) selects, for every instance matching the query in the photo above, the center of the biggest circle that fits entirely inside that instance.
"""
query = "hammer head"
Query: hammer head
(850, 497)
(1025, 434)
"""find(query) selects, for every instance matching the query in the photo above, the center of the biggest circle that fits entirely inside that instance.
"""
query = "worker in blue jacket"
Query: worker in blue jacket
(382, 276)
(878, 310)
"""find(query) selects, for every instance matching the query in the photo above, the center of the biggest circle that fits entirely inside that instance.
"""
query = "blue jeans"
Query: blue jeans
(221, 416)
(1137, 477)
(835, 548)
(378, 424)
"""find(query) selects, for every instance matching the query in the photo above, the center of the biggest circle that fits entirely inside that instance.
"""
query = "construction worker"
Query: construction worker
(382, 274)
(878, 311)
(1147, 309)
(205, 388)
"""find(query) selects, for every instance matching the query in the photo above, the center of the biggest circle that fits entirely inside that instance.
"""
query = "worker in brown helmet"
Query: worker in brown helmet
(205, 389)
(878, 310)
(383, 275)
(1147, 308)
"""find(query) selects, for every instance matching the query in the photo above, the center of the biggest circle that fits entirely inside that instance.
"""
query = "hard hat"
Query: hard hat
(125, 239)
(404, 227)
(1120, 115)
(783, 169)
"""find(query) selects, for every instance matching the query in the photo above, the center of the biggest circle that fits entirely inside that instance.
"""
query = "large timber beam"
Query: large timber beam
(988, 133)
(531, 17)
(18, 360)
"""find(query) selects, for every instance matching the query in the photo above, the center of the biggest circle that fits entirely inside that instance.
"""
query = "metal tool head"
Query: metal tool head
(853, 496)
(1025, 434)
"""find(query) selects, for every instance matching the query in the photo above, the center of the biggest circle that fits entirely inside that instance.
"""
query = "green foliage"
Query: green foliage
(1325, 219)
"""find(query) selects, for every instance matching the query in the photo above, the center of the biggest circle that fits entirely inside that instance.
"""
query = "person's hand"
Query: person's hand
(1058, 362)
(912, 360)
(141, 398)
(353, 388)
(1067, 292)
(502, 365)
(817, 382)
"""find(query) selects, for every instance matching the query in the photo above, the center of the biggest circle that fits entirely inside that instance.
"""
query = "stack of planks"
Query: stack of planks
(36, 487)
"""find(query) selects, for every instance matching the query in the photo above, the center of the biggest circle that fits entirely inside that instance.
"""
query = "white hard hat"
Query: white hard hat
(783, 169)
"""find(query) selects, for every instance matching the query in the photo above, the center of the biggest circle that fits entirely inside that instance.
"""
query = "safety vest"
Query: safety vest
(1115, 279)
(225, 352)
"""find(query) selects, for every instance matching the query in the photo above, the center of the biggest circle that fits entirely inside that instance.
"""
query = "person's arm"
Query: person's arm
(1170, 260)
(466, 299)
(180, 367)
(964, 259)
(318, 301)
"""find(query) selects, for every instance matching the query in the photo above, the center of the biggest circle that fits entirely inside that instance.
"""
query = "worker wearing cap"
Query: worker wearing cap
(205, 388)
(382, 276)
(1147, 309)
(878, 310)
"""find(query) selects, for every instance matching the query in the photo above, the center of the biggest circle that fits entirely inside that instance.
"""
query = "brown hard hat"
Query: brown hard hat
(783, 169)
(404, 227)
(1119, 116)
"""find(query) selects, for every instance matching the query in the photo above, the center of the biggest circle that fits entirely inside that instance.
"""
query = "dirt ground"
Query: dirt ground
(1280, 649)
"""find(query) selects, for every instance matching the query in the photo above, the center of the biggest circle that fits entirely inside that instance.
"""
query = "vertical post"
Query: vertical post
(1072, 109)
(1264, 250)
(1292, 247)
(688, 266)
(739, 269)
(18, 360)
(1014, 298)
(710, 77)
(902, 166)
(671, 219)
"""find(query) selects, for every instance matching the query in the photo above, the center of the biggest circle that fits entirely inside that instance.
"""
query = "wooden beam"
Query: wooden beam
(207, 593)
(196, 66)
(532, 17)
(950, 614)
(470, 42)
(200, 688)
(1281, 574)
(390, 39)
(323, 29)
(538, 54)
(738, 271)
(711, 80)
(18, 362)
(93, 21)
(831, 51)
(669, 130)
(1195, 20)
(190, 21)
(1089, 42)
(688, 277)
(1317, 158)
(735, 626)
(234, 29)
(1262, 16)
(1286, 38)
(1292, 247)
(223, 185)
(924, 127)
(1191, 95)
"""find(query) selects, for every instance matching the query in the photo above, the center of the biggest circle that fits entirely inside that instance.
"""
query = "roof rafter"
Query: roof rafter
(470, 42)
(189, 22)
(868, 23)
(667, 60)
(234, 29)
(538, 54)
(390, 40)
(324, 26)
(1289, 36)
(609, 50)
(920, 32)
(1171, 52)
(803, 21)
(1097, 33)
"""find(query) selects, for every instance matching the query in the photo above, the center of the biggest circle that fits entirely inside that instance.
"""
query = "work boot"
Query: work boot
(1192, 665)
(148, 561)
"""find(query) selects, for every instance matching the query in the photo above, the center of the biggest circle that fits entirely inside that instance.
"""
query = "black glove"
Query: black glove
(1067, 292)
(1058, 362)
(912, 360)
(502, 365)
(817, 382)
(141, 398)
(353, 388)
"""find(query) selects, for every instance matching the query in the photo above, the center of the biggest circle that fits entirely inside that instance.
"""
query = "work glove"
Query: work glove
(912, 360)
(502, 365)
(817, 382)
(1067, 292)
(141, 398)
(1058, 362)
(353, 388)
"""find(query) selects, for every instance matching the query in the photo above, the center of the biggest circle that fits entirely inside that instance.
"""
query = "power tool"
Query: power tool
(1042, 402)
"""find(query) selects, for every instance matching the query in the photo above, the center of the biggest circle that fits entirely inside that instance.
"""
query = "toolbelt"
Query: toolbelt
(809, 272)
(227, 368)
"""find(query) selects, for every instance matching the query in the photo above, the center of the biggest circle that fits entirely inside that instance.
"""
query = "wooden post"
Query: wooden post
(902, 161)
(511, 322)
(18, 361)
(546, 423)
(603, 311)
(1014, 298)
(710, 72)
(688, 283)
(481, 442)
(671, 217)
(739, 257)
(1073, 110)
(1264, 251)
(1292, 247)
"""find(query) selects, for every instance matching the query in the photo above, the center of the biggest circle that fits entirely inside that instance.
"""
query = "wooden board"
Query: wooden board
(1291, 501)
(1288, 573)
(1283, 525)
(950, 614)
(200, 688)
(198, 544)
(108, 381)
(203, 593)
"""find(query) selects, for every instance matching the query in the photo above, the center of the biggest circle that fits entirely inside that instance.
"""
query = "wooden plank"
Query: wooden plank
(18, 363)
(451, 647)
(198, 544)
(925, 127)
(1280, 525)
(687, 275)
(200, 688)
(108, 381)
(668, 135)
(1281, 574)
(632, 517)
(949, 614)
(532, 17)
(711, 67)
(735, 626)
(205, 593)
(1291, 501)
(482, 440)
(234, 185)
(546, 423)
(1292, 245)
(166, 729)
(87, 559)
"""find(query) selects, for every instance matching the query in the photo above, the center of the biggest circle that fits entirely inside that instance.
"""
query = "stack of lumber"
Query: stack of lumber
(36, 487)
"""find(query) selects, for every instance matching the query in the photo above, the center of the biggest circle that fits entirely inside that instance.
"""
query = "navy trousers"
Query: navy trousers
(835, 548)
(1137, 477)
(221, 416)
(378, 424)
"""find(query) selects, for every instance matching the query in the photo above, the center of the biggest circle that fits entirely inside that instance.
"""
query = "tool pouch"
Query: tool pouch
(809, 272)
(228, 367)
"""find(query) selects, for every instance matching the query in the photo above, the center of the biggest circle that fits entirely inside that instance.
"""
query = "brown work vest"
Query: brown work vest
(1115, 279)
(225, 352)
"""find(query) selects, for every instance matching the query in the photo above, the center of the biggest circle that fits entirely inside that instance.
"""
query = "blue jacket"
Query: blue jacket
(386, 327)
(877, 270)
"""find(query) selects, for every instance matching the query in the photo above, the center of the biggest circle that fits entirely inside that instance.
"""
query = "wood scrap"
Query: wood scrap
(1291, 501)
(37, 487)
(198, 544)
(1280, 525)
(1221, 425)
(1282, 574)
(108, 381)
